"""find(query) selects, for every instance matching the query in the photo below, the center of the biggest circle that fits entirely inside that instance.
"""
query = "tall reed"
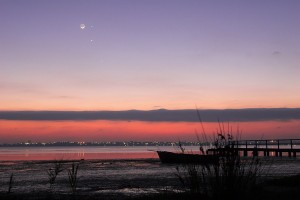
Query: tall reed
(230, 178)
(53, 172)
(10, 183)
(72, 174)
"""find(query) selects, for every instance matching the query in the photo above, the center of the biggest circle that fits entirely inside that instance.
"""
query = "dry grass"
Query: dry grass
(10, 183)
(53, 172)
(230, 178)
(72, 174)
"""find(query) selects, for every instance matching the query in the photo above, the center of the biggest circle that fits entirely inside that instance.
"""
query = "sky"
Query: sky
(118, 55)
(149, 54)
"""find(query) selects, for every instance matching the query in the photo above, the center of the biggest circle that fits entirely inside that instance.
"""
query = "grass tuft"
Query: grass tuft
(230, 178)
(72, 174)
(53, 172)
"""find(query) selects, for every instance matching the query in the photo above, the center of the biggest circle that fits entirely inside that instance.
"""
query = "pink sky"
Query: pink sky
(101, 130)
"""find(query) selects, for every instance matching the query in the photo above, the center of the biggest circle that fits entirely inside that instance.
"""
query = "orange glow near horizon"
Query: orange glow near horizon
(101, 130)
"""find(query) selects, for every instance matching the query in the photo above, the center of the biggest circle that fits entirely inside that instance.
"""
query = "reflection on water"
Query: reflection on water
(77, 153)
(100, 152)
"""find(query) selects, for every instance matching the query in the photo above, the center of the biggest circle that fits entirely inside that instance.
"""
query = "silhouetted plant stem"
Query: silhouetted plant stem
(72, 173)
(230, 178)
(53, 172)
(10, 183)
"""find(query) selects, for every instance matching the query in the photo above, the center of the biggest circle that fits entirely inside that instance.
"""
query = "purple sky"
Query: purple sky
(148, 54)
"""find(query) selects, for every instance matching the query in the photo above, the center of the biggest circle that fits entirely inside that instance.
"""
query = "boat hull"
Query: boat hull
(171, 157)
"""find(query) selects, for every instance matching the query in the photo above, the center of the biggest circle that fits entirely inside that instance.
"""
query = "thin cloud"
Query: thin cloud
(276, 53)
(64, 97)
(161, 115)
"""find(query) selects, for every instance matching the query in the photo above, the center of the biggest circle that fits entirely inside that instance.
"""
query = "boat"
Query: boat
(173, 157)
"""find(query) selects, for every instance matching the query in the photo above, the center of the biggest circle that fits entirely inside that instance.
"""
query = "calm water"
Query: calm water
(99, 152)
(86, 153)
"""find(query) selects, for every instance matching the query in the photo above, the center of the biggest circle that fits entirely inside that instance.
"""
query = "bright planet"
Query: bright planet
(82, 26)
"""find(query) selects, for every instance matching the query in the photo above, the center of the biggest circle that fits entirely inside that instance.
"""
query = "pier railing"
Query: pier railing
(272, 147)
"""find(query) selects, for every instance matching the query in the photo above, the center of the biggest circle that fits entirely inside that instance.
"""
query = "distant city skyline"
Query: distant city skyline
(99, 143)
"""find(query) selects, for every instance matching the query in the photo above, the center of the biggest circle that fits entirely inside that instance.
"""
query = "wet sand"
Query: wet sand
(126, 178)
(106, 179)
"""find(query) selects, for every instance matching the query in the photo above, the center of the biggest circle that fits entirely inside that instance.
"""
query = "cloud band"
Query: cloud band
(254, 114)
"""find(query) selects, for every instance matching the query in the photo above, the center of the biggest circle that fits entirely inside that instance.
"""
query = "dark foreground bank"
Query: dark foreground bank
(273, 189)
(125, 179)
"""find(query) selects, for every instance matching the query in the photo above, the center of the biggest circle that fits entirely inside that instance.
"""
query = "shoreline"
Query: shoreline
(84, 160)
(111, 179)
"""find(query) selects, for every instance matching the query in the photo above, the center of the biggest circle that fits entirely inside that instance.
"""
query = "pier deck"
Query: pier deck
(278, 147)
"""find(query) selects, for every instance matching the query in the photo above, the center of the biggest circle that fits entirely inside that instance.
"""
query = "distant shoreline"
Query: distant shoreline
(100, 144)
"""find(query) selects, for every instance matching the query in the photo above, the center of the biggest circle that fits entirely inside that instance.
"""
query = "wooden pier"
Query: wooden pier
(278, 147)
